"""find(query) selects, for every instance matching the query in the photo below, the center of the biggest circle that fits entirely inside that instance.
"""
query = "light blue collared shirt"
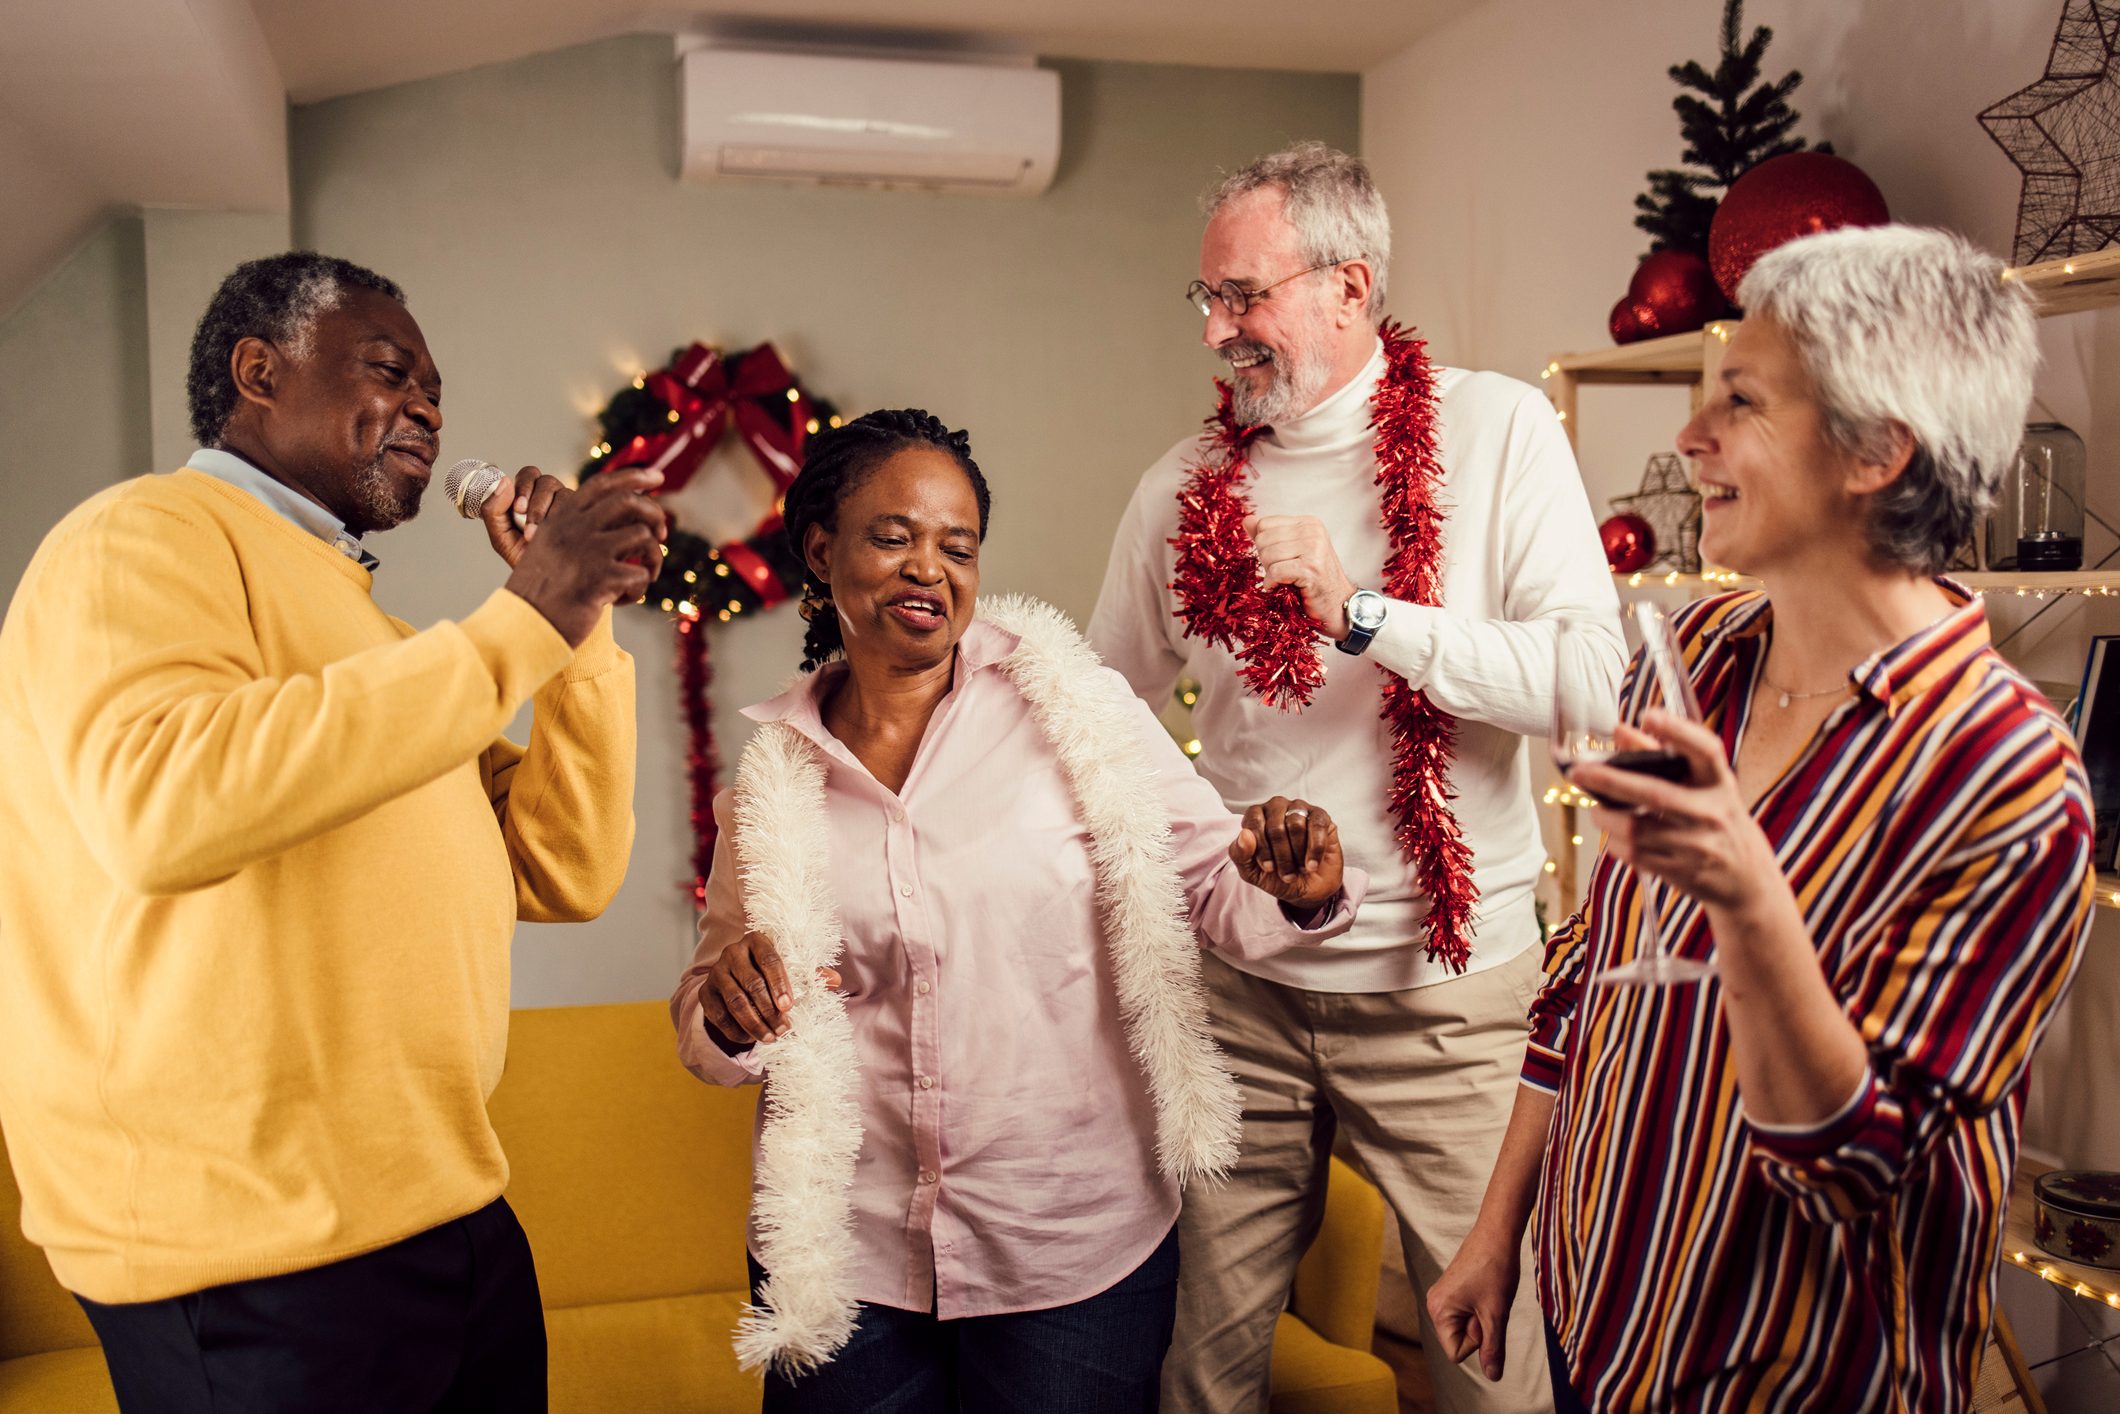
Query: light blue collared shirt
(290, 503)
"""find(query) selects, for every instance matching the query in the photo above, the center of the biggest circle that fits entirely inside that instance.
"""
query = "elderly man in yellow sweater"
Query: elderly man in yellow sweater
(262, 850)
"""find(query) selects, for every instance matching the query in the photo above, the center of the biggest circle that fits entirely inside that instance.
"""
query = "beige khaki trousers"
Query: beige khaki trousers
(1420, 1084)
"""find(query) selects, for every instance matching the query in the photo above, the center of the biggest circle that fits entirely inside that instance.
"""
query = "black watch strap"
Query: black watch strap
(1357, 639)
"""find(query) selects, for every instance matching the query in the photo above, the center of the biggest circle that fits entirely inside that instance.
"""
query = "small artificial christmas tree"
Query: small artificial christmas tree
(1733, 128)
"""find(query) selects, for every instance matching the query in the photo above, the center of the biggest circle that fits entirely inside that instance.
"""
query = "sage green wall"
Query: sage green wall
(533, 214)
(189, 253)
(73, 390)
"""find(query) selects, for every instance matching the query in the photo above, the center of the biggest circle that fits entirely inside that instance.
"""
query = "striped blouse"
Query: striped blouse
(1937, 834)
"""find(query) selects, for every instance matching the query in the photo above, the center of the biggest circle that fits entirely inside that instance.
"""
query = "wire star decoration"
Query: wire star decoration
(2063, 132)
(1666, 499)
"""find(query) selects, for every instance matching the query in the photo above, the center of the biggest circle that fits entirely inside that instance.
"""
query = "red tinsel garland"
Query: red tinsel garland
(694, 675)
(690, 405)
(1219, 595)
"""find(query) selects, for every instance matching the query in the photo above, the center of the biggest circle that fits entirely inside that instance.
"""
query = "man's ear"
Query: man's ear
(256, 367)
(1355, 280)
(1867, 478)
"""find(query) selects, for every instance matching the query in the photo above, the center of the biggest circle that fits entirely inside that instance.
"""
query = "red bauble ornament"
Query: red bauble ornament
(1796, 194)
(1678, 289)
(1630, 542)
(1630, 320)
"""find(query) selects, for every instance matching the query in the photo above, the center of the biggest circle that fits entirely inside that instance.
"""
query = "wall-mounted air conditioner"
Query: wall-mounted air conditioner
(936, 126)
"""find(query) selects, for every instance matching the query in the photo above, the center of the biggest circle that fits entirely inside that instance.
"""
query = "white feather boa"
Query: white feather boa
(801, 1203)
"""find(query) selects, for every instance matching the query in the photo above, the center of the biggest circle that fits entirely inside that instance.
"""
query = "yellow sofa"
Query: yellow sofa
(632, 1179)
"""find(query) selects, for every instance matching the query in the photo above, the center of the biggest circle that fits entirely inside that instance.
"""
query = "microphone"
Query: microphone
(471, 483)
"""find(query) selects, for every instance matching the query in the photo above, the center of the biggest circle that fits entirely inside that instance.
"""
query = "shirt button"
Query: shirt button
(905, 890)
(927, 1176)
(927, 1082)
(922, 988)
(898, 816)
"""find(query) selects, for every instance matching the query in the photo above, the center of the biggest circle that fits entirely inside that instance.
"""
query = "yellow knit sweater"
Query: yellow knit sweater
(262, 851)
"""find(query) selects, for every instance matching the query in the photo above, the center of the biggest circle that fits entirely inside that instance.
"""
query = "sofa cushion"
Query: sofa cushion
(36, 1313)
(1313, 1376)
(76, 1381)
(633, 1357)
(631, 1177)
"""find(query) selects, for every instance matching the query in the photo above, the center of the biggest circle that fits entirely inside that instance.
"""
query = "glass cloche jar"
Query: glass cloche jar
(2037, 523)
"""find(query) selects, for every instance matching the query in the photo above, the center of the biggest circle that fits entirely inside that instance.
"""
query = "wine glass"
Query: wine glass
(1586, 729)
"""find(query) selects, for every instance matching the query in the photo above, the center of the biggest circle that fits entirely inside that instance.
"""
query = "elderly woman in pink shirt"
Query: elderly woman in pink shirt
(953, 921)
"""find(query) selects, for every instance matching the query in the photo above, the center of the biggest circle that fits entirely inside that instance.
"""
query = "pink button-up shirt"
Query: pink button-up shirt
(1008, 1160)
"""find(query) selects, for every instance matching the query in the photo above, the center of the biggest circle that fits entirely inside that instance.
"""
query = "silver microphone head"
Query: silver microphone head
(469, 483)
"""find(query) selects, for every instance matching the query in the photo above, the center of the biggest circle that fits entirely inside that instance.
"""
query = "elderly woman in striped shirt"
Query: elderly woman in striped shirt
(1783, 1188)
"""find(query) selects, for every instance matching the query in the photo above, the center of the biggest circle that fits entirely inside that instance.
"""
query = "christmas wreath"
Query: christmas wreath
(672, 420)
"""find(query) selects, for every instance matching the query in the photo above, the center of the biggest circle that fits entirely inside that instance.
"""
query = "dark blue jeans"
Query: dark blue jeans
(1565, 1399)
(1102, 1355)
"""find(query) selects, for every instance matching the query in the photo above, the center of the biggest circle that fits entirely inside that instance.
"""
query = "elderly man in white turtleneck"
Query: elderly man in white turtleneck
(1433, 522)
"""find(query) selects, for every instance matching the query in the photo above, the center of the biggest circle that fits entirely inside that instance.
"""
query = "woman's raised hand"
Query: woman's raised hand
(746, 997)
(1699, 835)
(1291, 849)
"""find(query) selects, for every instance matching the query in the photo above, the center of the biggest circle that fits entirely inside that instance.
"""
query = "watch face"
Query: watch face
(1367, 611)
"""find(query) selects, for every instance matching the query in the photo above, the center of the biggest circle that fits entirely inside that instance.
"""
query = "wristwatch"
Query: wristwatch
(1365, 615)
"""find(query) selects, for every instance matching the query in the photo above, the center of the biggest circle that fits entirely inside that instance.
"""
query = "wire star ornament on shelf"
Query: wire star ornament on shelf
(1666, 499)
(2063, 132)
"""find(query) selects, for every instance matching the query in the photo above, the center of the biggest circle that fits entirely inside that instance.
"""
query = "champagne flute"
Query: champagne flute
(1586, 729)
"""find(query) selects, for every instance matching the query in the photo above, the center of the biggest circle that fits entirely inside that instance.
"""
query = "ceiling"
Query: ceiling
(113, 105)
(329, 49)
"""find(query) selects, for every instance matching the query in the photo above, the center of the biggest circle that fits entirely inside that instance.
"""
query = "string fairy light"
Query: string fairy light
(2039, 1267)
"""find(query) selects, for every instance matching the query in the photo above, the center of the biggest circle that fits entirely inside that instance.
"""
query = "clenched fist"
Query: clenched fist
(1291, 849)
(1296, 550)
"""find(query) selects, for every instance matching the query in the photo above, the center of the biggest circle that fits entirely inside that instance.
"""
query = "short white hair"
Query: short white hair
(1900, 325)
(1335, 207)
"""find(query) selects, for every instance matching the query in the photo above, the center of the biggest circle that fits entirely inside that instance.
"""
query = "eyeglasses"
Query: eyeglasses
(1235, 298)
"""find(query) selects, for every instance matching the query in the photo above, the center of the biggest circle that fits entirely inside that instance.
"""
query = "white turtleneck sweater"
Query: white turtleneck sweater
(1520, 557)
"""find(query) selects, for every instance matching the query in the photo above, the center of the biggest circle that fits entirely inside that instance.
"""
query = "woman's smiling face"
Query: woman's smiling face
(902, 558)
(1775, 491)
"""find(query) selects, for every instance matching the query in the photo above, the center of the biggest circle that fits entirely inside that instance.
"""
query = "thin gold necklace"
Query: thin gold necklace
(1786, 696)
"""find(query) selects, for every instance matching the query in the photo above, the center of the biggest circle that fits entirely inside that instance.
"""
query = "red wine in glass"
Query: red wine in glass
(1586, 731)
(1657, 762)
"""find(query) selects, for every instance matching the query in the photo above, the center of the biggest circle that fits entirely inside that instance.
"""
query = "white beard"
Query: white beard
(1297, 384)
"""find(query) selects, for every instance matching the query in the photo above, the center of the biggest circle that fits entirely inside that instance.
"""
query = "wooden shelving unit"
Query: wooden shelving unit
(1689, 359)
(2020, 1248)
(2070, 286)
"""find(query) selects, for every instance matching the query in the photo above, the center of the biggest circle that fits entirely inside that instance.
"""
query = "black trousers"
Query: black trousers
(448, 1320)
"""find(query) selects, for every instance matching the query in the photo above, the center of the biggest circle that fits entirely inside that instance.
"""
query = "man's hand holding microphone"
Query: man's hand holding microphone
(573, 552)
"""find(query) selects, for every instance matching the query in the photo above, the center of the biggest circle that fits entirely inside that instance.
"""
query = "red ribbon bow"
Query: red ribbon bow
(706, 392)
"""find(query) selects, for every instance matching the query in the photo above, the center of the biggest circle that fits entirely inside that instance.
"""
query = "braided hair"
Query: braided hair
(835, 463)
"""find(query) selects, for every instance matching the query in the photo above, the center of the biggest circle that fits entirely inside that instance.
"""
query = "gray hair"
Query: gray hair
(278, 299)
(1331, 201)
(1899, 325)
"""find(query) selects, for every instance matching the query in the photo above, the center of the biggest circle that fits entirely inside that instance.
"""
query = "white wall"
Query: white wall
(532, 213)
(73, 389)
(1511, 146)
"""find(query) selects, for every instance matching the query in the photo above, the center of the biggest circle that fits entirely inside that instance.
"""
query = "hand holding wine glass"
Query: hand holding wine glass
(1591, 733)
